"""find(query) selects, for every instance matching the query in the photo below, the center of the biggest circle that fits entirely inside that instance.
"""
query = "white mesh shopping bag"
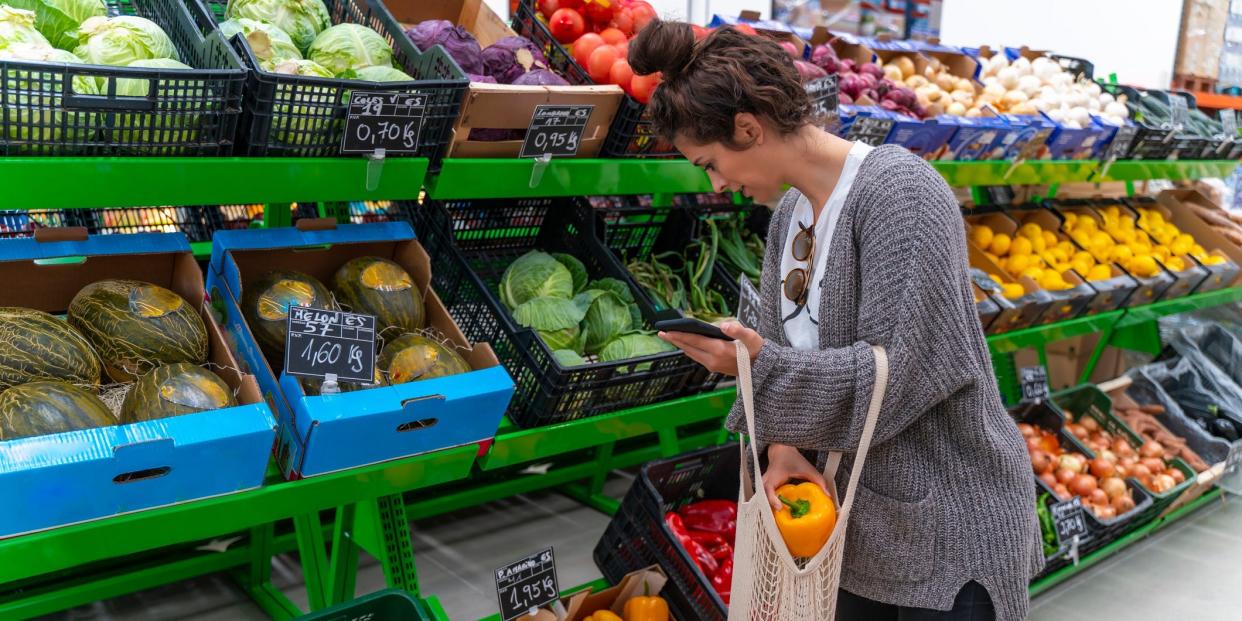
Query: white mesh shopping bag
(768, 583)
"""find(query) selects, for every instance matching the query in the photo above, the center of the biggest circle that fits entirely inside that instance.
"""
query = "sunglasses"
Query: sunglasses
(798, 280)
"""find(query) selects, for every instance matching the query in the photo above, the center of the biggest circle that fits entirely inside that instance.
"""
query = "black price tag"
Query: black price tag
(984, 281)
(824, 96)
(1120, 146)
(320, 342)
(1068, 518)
(556, 130)
(1180, 114)
(1034, 384)
(389, 121)
(870, 130)
(1001, 195)
(748, 305)
(527, 584)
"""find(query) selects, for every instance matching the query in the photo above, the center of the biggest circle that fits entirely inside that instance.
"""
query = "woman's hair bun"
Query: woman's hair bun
(662, 47)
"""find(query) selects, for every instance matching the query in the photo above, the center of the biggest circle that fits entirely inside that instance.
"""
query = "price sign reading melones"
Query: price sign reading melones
(319, 342)
(556, 130)
(527, 584)
(389, 121)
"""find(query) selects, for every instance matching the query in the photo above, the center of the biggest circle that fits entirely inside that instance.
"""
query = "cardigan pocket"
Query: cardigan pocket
(892, 540)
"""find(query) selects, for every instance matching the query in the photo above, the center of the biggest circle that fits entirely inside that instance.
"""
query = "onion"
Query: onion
(946, 81)
(1113, 486)
(1027, 429)
(956, 108)
(1008, 78)
(1155, 464)
(1098, 497)
(1049, 479)
(1108, 455)
(1061, 491)
(1102, 468)
(1162, 483)
(1123, 504)
(1105, 513)
(1083, 485)
(1065, 475)
(1122, 448)
(893, 72)
(1073, 462)
(996, 63)
(1151, 448)
(1029, 84)
(916, 81)
(1076, 430)
(1179, 477)
(1022, 66)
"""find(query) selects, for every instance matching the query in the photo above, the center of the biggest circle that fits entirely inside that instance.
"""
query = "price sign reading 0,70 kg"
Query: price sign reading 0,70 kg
(321, 341)
(389, 121)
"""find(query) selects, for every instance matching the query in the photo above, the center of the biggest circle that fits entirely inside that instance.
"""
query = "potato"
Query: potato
(916, 81)
(905, 64)
(956, 109)
(946, 82)
(893, 72)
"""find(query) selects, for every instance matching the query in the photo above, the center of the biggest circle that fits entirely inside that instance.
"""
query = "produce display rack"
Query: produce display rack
(370, 507)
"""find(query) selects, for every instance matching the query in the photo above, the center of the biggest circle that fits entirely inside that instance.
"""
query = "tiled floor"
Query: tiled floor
(1191, 571)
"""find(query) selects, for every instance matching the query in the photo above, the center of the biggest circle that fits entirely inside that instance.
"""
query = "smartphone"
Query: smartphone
(692, 326)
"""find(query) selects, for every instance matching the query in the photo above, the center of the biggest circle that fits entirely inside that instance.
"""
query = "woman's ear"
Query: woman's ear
(747, 130)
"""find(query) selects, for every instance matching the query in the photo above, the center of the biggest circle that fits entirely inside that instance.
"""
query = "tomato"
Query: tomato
(572, 4)
(621, 74)
(600, 63)
(566, 25)
(600, 11)
(584, 46)
(624, 21)
(700, 32)
(623, 50)
(745, 29)
(643, 14)
(612, 36)
(642, 86)
(548, 7)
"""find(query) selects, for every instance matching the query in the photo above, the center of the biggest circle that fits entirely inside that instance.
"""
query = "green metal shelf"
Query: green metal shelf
(1138, 170)
(68, 182)
(962, 174)
(515, 178)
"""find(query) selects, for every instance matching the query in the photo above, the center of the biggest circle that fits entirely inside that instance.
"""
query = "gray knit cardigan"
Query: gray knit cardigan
(947, 493)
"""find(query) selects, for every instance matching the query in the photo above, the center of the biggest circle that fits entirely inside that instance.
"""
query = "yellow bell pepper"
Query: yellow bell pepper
(806, 519)
(603, 615)
(646, 607)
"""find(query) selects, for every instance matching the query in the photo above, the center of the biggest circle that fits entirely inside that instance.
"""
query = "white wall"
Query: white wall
(1136, 39)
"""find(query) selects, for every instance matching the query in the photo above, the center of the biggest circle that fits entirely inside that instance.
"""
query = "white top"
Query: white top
(803, 329)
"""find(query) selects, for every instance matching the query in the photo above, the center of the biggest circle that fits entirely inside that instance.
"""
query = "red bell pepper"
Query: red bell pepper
(722, 580)
(712, 516)
(715, 544)
(701, 557)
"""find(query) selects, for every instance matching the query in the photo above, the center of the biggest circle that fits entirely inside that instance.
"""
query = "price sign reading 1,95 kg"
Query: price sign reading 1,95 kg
(556, 130)
(319, 342)
(527, 584)
(389, 121)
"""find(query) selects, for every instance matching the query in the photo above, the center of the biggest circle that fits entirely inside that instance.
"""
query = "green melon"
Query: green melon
(376, 286)
(173, 390)
(413, 357)
(45, 407)
(313, 386)
(37, 346)
(266, 302)
(136, 326)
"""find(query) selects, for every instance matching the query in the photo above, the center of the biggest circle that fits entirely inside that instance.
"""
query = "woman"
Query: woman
(868, 247)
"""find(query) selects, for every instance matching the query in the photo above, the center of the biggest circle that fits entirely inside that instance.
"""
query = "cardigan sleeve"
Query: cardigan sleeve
(914, 300)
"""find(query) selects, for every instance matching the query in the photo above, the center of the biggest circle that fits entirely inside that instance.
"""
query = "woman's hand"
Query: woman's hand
(785, 463)
(717, 355)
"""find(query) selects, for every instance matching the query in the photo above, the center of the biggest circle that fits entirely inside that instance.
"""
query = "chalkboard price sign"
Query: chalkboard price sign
(1122, 140)
(389, 121)
(1034, 384)
(749, 304)
(1068, 518)
(319, 342)
(824, 95)
(556, 130)
(527, 584)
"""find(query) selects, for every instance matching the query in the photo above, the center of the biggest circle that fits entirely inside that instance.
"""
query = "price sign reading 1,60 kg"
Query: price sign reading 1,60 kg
(389, 121)
(319, 342)
(556, 130)
(527, 584)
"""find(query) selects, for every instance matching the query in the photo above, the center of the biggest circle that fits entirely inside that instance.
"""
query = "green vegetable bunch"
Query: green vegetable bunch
(552, 294)
(681, 280)
(741, 249)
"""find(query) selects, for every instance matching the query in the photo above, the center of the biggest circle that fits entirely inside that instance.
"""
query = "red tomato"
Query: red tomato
(601, 11)
(745, 29)
(548, 7)
(700, 32)
(600, 63)
(572, 4)
(643, 14)
(642, 86)
(584, 46)
(624, 21)
(623, 50)
(566, 25)
(612, 36)
(621, 74)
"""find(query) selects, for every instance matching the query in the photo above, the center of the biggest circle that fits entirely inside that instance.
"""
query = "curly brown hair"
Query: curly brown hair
(707, 83)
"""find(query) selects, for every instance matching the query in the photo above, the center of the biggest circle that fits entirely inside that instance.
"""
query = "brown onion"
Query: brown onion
(1123, 504)
(1102, 468)
(1078, 431)
(1049, 479)
(1178, 476)
(1065, 475)
(1083, 485)
(1041, 462)
(1028, 430)
(1089, 423)
(1155, 464)
(1114, 487)
(1099, 497)
(1162, 483)
(1122, 448)
(1061, 491)
(1151, 448)
(1108, 455)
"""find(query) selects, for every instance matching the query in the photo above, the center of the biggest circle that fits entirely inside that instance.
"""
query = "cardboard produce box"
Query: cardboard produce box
(507, 106)
(1202, 37)
(1023, 311)
(327, 433)
(1193, 273)
(1189, 210)
(584, 603)
(76, 476)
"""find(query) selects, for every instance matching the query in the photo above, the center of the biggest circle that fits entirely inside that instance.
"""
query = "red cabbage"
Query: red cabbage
(457, 41)
(822, 54)
(809, 72)
(852, 85)
(847, 65)
(511, 57)
(486, 79)
(901, 96)
(871, 69)
(541, 77)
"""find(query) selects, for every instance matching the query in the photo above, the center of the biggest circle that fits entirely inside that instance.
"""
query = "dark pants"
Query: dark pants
(972, 604)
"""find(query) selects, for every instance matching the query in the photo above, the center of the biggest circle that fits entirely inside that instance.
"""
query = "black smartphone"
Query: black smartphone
(693, 326)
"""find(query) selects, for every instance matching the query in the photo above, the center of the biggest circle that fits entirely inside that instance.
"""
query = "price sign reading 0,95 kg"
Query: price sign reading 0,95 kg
(556, 130)
(527, 584)
(321, 341)
(389, 121)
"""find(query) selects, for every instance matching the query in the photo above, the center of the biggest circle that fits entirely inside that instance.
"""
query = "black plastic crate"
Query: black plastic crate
(299, 116)
(638, 537)
(24, 222)
(631, 134)
(472, 242)
(1078, 67)
(185, 112)
(1151, 141)
(190, 220)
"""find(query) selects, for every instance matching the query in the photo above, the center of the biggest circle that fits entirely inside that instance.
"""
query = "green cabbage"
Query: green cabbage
(622, 290)
(350, 46)
(166, 125)
(575, 267)
(535, 274)
(379, 74)
(269, 43)
(556, 320)
(58, 20)
(32, 100)
(17, 27)
(607, 318)
(633, 345)
(299, 66)
(303, 125)
(303, 20)
(119, 41)
(568, 358)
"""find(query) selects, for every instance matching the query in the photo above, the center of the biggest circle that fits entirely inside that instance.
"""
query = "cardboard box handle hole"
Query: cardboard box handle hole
(141, 475)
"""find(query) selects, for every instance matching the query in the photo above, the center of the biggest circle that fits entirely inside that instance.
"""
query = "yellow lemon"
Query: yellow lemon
(1020, 246)
(1058, 255)
(1083, 255)
(1198, 251)
(1083, 267)
(1017, 263)
(1050, 239)
(1144, 265)
(1071, 220)
(1100, 238)
(1161, 252)
(1012, 291)
(1000, 244)
(996, 278)
(1088, 224)
(992, 257)
(1082, 237)
(1034, 273)
(1038, 244)
(1066, 245)
(1124, 236)
(1121, 254)
(1099, 272)
(1176, 264)
(1053, 281)
(1215, 259)
(1155, 216)
(982, 235)
(1030, 230)
(1179, 247)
